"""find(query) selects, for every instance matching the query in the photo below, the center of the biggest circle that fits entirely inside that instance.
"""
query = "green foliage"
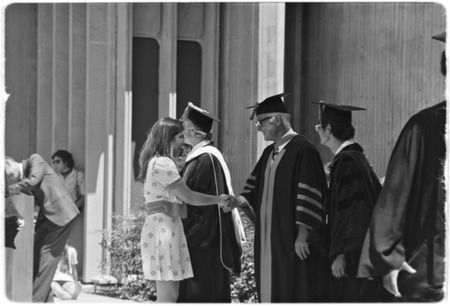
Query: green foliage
(125, 263)
(123, 245)
(243, 288)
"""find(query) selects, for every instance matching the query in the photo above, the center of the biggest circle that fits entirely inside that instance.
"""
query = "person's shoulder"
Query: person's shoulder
(36, 159)
(161, 159)
(301, 139)
(163, 162)
(301, 143)
(347, 158)
(429, 113)
(429, 119)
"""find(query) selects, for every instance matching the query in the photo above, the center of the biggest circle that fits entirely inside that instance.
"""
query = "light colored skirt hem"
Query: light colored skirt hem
(178, 279)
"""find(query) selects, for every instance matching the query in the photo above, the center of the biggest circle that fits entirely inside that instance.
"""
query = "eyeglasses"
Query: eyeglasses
(317, 126)
(56, 161)
(193, 130)
(259, 123)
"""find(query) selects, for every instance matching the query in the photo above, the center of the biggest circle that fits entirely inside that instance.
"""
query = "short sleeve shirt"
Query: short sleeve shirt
(162, 175)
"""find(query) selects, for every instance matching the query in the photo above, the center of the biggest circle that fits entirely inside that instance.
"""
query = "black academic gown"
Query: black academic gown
(294, 190)
(353, 192)
(210, 237)
(408, 222)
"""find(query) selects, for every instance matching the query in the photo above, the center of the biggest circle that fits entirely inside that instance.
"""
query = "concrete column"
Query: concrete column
(168, 61)
(99, 128)
(123, 158)
(252, 49)
(270, 56)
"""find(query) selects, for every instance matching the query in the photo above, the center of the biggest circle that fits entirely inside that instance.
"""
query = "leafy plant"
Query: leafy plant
(243, 288)
(125, 262)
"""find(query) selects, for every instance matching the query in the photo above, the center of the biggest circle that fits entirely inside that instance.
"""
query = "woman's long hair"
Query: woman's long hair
(158, 142)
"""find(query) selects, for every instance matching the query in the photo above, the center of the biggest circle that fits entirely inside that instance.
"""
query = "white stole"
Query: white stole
(238, 227)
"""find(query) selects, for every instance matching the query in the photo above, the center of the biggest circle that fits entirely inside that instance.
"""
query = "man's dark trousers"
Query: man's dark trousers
(49, 243)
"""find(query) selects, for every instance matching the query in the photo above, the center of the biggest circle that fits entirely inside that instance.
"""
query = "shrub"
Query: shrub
(243, 288)
(125, 263)
(123, 245)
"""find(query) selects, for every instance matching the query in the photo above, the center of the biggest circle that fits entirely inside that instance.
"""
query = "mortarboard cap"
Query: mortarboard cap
(337, 114)
(200, 117)
(273, 104)
(440, 37)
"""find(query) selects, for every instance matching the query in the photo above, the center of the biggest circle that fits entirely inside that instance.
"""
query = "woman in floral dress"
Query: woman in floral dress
(165, 256)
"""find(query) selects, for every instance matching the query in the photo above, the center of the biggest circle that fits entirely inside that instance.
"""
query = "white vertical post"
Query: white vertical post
(271, 56)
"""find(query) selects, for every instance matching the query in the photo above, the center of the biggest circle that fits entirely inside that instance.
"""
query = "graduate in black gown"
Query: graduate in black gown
(214, 247)
(284, 196)
(405, 245)
(352, 194)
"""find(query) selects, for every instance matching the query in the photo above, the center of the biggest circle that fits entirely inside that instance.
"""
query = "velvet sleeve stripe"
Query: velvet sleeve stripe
(309, 210)
(310, 213)
(311, 189)
(250, 184)
(309, 196)
(309, 200)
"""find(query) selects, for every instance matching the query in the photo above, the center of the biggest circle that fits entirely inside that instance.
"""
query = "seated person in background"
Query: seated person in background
(65, 282)
(64, 164)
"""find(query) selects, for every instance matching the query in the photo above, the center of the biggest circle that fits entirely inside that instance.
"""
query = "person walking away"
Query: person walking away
(405, 243)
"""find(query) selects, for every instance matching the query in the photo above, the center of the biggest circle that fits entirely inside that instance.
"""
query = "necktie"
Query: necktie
(276, 146)
(276, 150)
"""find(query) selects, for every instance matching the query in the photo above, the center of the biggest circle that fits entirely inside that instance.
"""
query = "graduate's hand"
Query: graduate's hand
(338, 266)
(390, 279)
(228, 207)
(224, 200)
(301, 244)
(234, 202)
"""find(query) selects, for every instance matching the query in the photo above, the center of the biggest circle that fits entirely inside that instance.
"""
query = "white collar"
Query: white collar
(198, 145)
(289, 132)
(344, 144)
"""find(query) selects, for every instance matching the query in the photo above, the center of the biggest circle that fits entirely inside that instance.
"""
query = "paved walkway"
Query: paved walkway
(86, 296)
(95, 298)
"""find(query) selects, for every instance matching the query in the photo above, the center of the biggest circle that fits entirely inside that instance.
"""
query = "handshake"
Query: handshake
(228, 202)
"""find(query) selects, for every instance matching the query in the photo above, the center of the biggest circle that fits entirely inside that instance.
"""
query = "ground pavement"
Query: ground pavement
(88, 296)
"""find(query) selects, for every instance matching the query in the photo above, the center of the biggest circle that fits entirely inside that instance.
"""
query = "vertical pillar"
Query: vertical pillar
(19, 262)
(238, 86)
(270, 56)
(252, 48)
(168, 61)
(124, 158)
(99, 130)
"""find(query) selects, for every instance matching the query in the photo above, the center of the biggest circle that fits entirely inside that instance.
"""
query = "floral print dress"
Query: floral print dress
(165, 256)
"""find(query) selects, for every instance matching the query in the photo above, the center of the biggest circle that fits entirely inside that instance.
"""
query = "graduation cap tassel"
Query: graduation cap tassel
(254, 110)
